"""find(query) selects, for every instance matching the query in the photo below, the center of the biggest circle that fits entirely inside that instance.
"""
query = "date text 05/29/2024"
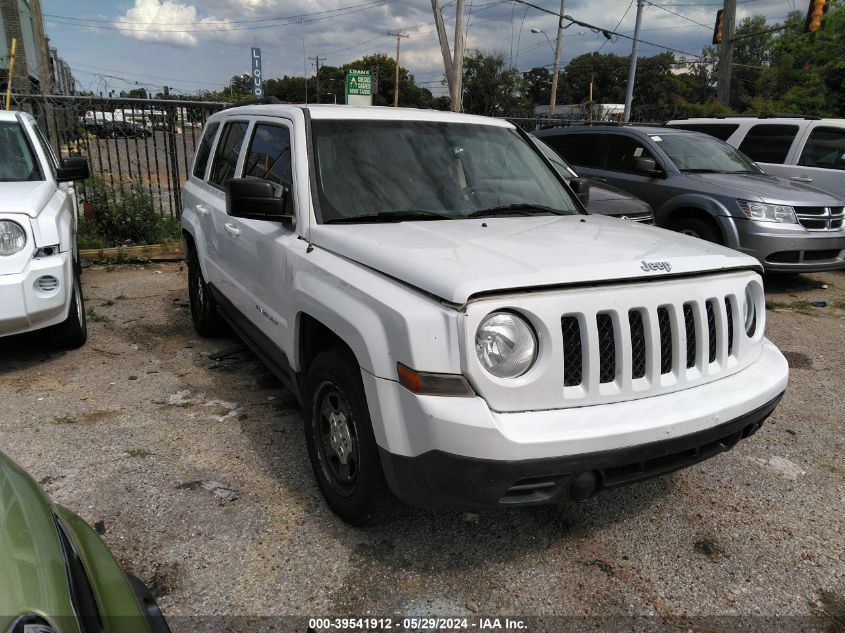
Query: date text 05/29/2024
(413, 624)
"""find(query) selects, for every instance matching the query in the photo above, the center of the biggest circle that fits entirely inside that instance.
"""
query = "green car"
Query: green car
(56, 575)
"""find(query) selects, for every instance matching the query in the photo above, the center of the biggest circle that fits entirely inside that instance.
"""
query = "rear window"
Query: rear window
(577, 149)
(768, 142)
(17, 161)
(825, 148)
(204, 150)
(721, 131)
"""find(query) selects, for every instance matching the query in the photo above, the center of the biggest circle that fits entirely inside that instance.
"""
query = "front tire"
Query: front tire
(206, 318)
(340, 441)
(700, 228)
(73, 331)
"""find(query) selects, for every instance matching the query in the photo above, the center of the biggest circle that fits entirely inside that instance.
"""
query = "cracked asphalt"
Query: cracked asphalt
(190, 458)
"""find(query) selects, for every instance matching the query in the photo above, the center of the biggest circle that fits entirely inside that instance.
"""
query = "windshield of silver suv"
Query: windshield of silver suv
(705, 155)
(17, 162)
(391, 171)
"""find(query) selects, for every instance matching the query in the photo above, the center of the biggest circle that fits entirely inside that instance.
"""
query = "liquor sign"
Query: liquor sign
(257, 88)
(359, 87)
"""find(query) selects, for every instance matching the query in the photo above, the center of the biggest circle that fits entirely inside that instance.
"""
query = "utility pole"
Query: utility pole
(398, 35)
(553, 99)
(317, 61)
(453, 64)
(11, 73)
(726, 54)
(632, 66)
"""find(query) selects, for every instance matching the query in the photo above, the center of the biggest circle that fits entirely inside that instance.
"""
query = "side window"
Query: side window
(577, 149)
(768, 142)
(46, 148)
(226, 156)
(621, 151)
(825, 148)
(204, 150)
(269, 155)
(721, 131)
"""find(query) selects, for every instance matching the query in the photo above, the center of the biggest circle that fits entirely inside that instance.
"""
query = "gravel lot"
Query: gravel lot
(190, 458)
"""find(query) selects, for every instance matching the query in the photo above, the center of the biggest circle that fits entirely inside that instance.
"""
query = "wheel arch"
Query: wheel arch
(702, 207)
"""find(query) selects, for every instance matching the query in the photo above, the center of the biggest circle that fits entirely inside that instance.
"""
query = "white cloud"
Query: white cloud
(168, 22)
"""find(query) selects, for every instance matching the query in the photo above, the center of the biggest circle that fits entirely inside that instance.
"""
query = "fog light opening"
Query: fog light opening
(584, 486)
(47, 284)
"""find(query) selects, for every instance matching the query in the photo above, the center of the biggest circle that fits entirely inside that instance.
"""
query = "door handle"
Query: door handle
(801, 179)
(201, 209)
(599, 178)
(232, 229)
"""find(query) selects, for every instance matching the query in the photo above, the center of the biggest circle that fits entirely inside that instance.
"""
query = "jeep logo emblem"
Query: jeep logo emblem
(650, 266)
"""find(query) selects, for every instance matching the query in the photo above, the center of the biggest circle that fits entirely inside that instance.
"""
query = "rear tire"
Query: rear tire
(700, 228)
(73, 331)
(340, 441)
(206, 318)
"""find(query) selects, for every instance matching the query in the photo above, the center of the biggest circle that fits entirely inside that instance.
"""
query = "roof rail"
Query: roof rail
(773, 115)
(271, 100)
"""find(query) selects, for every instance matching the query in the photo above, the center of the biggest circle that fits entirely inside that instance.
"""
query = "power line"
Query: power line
(680, 15)
(630, 4)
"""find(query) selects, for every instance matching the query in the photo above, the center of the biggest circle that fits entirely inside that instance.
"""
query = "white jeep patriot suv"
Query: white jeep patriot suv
(39, 266)
(459, 331)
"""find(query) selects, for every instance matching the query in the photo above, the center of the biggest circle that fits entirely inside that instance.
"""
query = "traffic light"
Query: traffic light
(814, 15)
(720, 25)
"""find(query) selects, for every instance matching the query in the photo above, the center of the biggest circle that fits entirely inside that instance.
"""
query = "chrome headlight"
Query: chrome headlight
(12, 237)
(506, 344)
(767, 212)
(749, 310)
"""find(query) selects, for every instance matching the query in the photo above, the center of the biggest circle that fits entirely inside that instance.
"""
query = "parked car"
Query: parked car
(701, 186)
(56, 573)
(121, 129)
(39, 259)
(459, 331)
(803, 149)
(600, 197)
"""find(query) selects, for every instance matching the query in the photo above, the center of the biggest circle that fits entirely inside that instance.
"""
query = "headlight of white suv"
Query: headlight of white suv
(506, 344)
(767, 212)
(12, 237)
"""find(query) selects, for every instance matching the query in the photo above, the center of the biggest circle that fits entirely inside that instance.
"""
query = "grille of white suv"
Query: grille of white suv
(821, 218)
(620, 342)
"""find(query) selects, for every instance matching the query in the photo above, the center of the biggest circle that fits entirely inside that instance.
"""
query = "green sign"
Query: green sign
(359, 87)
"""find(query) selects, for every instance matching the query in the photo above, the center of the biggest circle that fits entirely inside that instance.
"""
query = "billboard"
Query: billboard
(359, 87)
(257, 88)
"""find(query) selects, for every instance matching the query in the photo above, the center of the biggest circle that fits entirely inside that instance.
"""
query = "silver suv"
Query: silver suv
(703, 187)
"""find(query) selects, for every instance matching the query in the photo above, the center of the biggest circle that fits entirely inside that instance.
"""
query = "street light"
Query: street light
(536, 31)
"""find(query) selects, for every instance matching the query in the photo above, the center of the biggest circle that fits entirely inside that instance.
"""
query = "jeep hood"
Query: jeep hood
(27, 197)
(455, 259)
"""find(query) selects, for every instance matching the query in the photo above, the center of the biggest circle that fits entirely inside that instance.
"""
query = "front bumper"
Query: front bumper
(456, 452)
(23, 307)
(791, 247)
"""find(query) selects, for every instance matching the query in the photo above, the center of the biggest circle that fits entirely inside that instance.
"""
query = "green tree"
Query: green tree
(491, 87)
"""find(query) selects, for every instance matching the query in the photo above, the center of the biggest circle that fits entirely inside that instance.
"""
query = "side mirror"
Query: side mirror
(73, 168)
(256, 199)
(581, 188)
(648, 166)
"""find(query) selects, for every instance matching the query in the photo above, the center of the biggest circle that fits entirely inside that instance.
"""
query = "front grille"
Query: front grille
(715, 324)
(821, 218)
(607, 348)
(689, 324)
(635, 321)
(573, 362)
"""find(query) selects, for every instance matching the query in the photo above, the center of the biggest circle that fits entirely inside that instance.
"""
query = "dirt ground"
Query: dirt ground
(189, 457)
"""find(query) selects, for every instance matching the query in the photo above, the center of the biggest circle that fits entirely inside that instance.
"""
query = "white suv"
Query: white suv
(39, 266)
(460, 332)
(804, 149)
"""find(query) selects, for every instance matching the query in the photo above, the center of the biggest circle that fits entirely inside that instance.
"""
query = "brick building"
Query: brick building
(22, 20)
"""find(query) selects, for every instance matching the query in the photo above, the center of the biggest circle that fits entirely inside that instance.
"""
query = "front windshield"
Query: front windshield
(701, 153)
(425, 169)
(17, 162)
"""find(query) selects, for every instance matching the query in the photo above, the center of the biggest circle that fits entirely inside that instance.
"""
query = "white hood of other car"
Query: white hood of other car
(455, 259)
(28, 197)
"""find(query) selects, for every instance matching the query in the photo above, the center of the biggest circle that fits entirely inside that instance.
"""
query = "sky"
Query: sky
(192, 45)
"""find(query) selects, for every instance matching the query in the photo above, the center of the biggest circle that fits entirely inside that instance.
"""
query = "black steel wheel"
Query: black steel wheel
(206, 318)
(340, 440)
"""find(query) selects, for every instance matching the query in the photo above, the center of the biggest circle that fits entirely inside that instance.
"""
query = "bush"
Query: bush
(123, 216)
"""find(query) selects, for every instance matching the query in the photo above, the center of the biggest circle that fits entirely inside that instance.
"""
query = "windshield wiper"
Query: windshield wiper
(518, 209)
(702, 171)
(390, 216)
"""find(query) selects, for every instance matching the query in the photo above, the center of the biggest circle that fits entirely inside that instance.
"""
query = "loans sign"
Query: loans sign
(359, 87)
